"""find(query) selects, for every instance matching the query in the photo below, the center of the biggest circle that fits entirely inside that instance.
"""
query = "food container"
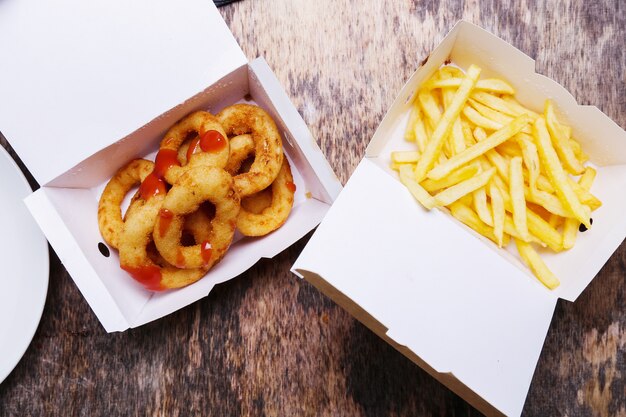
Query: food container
(467, 312)
(99, 87)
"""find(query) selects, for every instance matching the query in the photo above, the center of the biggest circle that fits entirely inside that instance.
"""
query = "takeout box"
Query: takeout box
(467, 312)
(113, 81)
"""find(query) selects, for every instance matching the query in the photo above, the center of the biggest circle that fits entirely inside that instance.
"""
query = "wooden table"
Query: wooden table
(267, 343)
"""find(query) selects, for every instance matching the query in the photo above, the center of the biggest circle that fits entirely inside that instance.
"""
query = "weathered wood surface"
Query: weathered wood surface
(266, 343)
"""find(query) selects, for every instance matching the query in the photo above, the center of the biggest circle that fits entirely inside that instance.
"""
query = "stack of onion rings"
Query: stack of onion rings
(212, 175)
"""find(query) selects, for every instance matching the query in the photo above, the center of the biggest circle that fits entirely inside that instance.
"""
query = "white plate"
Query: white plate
(24, 267)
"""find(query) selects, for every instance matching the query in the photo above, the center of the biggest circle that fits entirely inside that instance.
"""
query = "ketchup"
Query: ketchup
(166, 219)
(210, 141)
(154, 183)
(148, 275)
(205, 251)
(291, 186)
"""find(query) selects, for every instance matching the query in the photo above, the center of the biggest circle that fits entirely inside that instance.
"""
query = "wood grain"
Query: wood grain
(269, 344)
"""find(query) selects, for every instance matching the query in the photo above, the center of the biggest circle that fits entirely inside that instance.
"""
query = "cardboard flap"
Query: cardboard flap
(478, 326)
(79, 76)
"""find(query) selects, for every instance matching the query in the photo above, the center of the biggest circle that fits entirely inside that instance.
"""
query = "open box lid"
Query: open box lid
(78, 76)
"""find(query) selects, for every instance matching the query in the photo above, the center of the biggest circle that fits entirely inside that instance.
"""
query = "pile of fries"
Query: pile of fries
(500, 168)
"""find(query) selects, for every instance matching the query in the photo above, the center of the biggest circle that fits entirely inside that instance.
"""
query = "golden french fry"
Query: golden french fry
(433, 148)
(515, 106)
(497, 207)
(479, 120)
(548, 201)
(556, 174)
(450, 195)
(531, 158)
(492, 85)
(430, 107)
(542, 230)
(397, 165)
(583, 194)
(536, 264)
(479, 199)
(516, 188)
(419, 130)
(561, 142)
(405, 157)
(495, 103)
(490, 113)
(570, 229)
(478, 149)
(555, 221)
(510, 149)
(455, 177)
(409, 132)
(467, 216)
(420, 194)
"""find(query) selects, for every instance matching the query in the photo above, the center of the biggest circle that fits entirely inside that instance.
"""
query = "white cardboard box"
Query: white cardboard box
(91, 85)
(467, 312)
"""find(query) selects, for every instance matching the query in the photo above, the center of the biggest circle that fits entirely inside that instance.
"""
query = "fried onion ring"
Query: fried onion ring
(209, 148)
(194, 187)
(109, 207)
(241, 147)
(270, 218)
(135, 256)
(239, 119)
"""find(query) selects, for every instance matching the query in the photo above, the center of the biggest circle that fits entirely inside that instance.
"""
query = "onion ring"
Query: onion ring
(135, 257)
(194, 187)
(109, 207)
(241, 147)
(270, 218)
(209, 148)
(239, 119)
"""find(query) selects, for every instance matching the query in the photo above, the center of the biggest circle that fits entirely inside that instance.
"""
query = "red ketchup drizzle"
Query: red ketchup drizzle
(166, 219)
(193, 146)
(154, 184)
(180, 259)
(205, 251)
(212, 141)
(149, 276)
(291, 186)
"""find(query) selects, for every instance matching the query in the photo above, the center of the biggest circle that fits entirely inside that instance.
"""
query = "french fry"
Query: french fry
(430, 106)
(531, 159)
(456, 142)
(555, 221)
(419, 130)
(546, 200)
(497, 207)
(409, 132)
(491, 85)
(450, 195)
(495, 103)
(420, 194)
(397, 165)
(542, 230)
(405, 157)
(480, 120)
(570, 228)
(556, 174)
(510, 149)
(561, 142)
(583, 194)
(479, 200)
(455, 177)
(467, 216)
(516, 188)
(536, 264)
(478, 149)
(515, 106)
(433, 148)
